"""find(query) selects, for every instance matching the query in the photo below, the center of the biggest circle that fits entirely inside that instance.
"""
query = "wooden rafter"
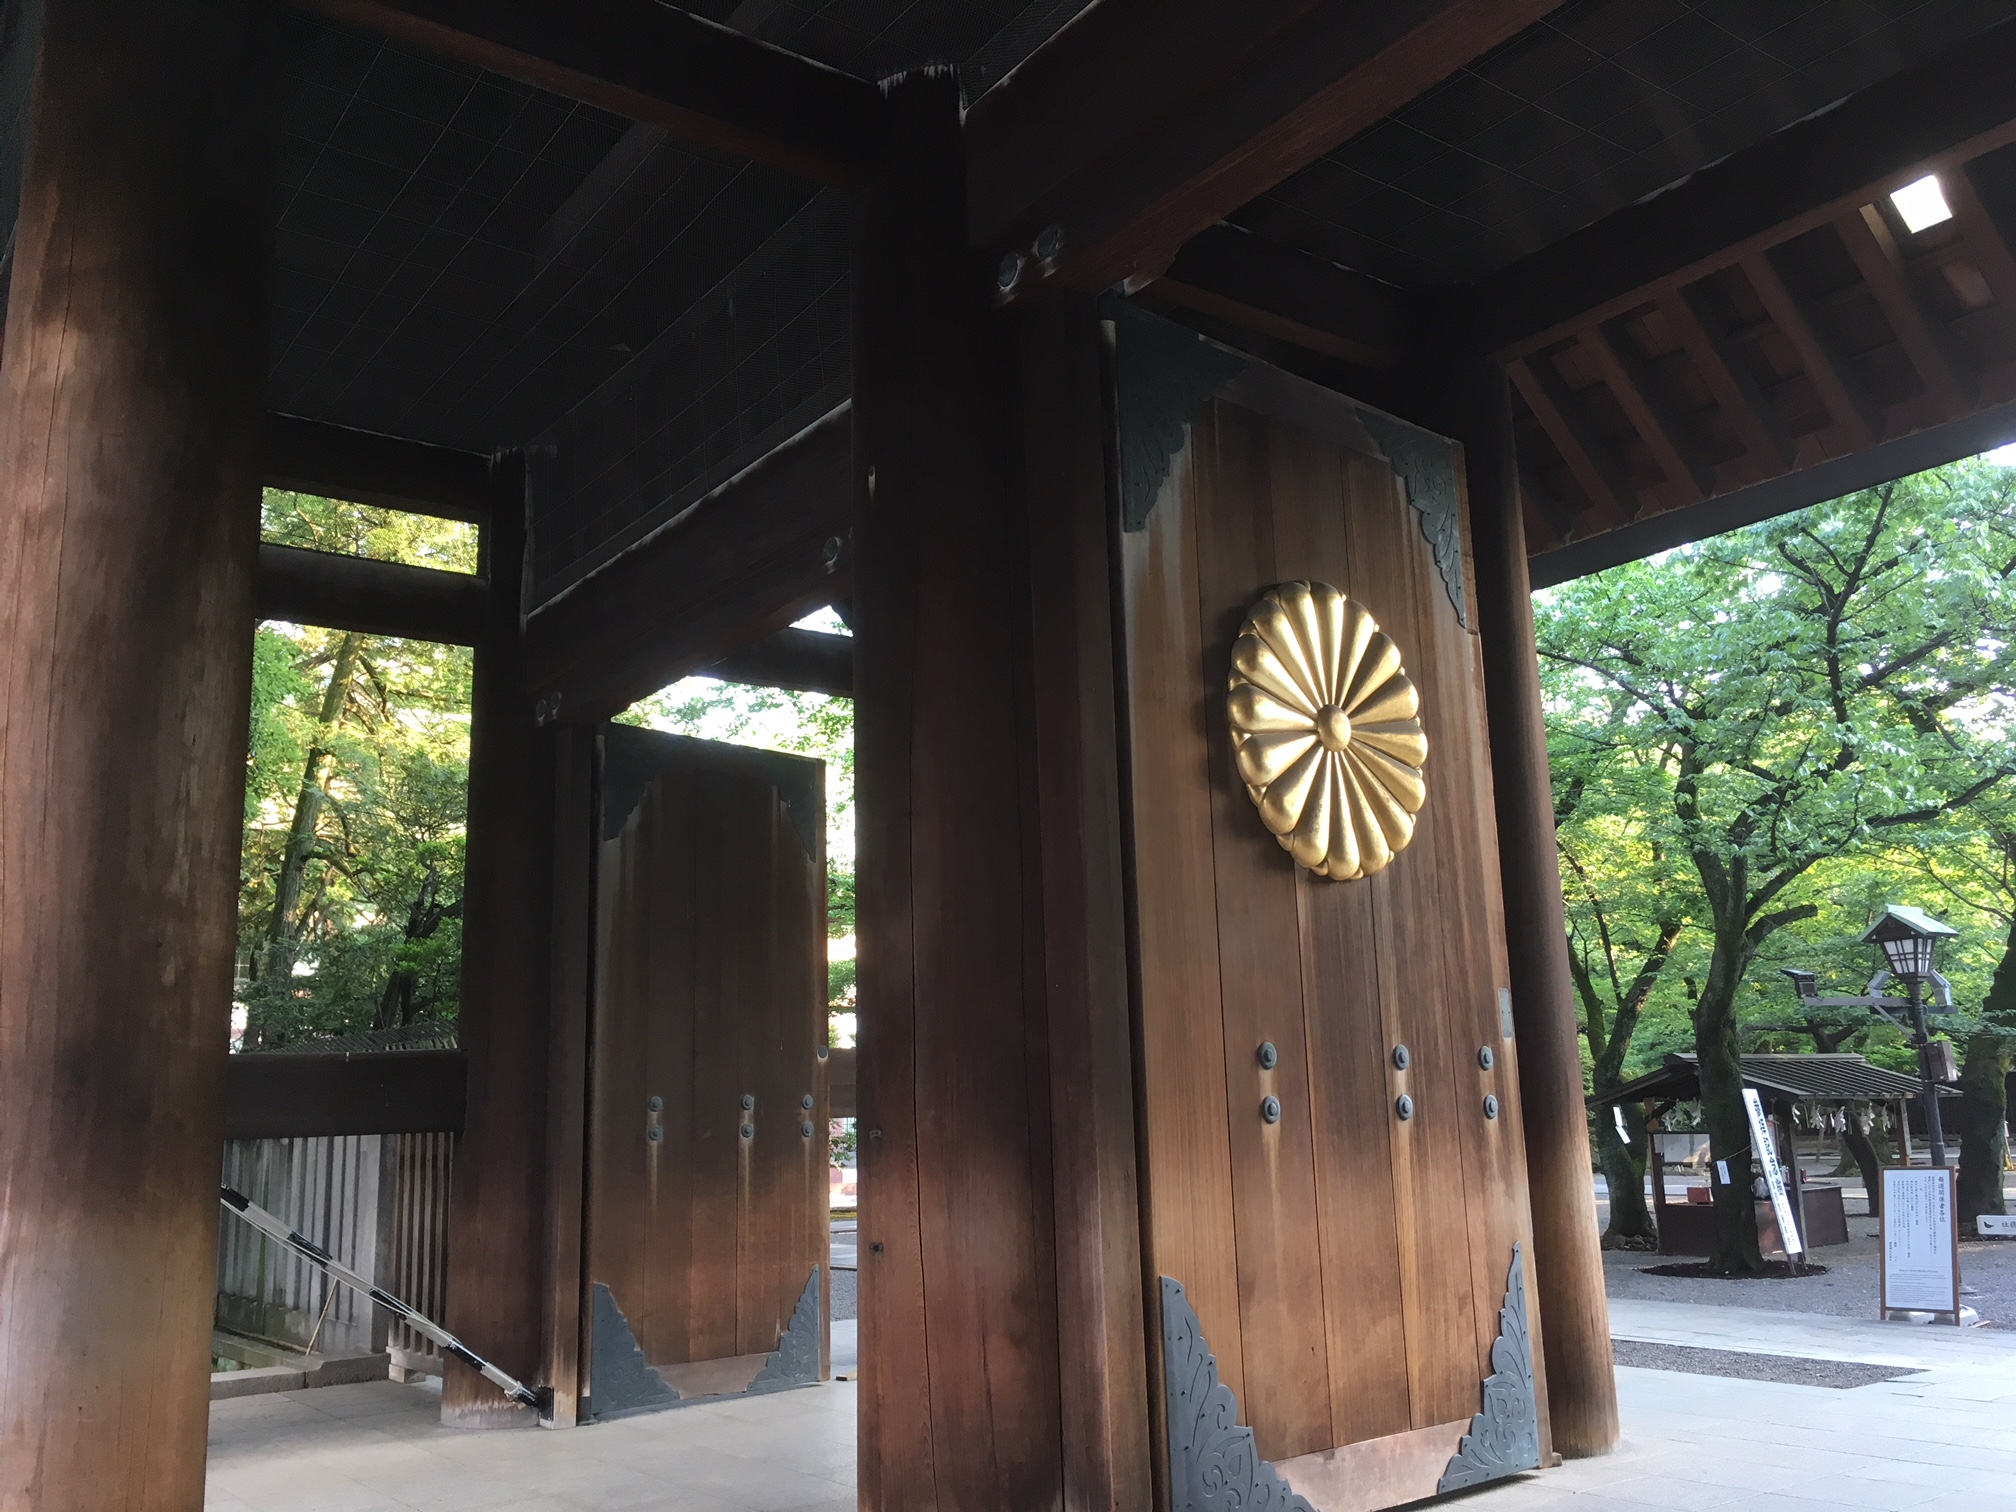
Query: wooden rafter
(704, 82)
(1880, 261)
(1752, 414)
(1274, 290)
(1588, 455)
(1644, 402)
(1848, 403)
(1144, 121)
(1986, 243)
(805, 661)
(364, 467)
(762, 550)
(1931, 117)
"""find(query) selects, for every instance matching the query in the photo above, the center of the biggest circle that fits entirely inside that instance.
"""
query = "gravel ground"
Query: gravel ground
(1848, 1290)
(846, 1294)
(1843, 1375)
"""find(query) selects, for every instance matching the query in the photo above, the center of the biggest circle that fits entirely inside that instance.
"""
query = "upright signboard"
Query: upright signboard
(1920, 1259)
(1774, 1173)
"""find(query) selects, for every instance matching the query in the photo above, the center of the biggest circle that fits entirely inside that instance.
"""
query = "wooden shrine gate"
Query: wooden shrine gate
(1332, 1162)
(706, 1217)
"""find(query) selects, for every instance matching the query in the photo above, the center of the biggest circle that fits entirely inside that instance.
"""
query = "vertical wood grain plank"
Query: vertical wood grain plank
(1239, 458)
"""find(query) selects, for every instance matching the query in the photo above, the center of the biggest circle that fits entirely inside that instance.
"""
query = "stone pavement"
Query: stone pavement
(1941, 1441)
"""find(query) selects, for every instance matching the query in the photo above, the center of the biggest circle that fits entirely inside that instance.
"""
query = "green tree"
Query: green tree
(1805, 686)
(356, 801)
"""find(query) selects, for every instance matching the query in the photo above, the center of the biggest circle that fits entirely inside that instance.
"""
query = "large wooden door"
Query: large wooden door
(1347, 1266)
(707, 1186)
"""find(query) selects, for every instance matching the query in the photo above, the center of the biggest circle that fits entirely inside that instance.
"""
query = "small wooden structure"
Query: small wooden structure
(712, 317)
(1783, 1082)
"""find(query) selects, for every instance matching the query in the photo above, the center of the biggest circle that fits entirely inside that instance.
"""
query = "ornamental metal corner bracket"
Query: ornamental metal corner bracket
(1213, 1463)
(1504, 1438)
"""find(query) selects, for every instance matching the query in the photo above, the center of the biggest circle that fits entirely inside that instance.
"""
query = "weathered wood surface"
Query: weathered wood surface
(959, 1389)
(390, 1092)
(496, 1245)
(1142, 122)
(364, 467)
(1348, 1265)
(130, 410)
(710, 991)
(1572, 1311)
(373, 598)
(1101, 1341)
(762, 550)
(702, 81)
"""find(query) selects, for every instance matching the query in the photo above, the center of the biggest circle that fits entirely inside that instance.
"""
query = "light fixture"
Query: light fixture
(1909, 937)
(1922, 203)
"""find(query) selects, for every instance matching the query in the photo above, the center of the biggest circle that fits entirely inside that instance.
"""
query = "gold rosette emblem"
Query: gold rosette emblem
(1327, 731)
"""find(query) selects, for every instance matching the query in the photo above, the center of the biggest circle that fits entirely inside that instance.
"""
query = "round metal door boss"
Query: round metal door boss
(1270, 1110)
(1485, 1058)
(1404, 1106)
(1490, 1106)
(1267, 1055)
(1326, 730)
(654, 1133)
(1401, 1058)
(654, 1105)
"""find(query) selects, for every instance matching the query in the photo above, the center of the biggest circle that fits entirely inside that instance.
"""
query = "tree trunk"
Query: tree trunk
(1623, 1167)
(1735, 1249)
(1870, 1150)
(1984, 1136)
(286, 923)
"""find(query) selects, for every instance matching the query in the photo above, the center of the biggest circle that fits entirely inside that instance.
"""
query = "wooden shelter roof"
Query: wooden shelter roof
(1840, 1077)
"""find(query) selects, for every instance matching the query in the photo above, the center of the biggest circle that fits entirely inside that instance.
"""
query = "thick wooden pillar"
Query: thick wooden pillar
(1074, 744)
(1567, 1258)
(959, 1395)
(130, 419)
(498, 1242)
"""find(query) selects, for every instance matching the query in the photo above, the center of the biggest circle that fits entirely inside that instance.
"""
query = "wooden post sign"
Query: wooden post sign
(1920, 1258)
(1766, 1151)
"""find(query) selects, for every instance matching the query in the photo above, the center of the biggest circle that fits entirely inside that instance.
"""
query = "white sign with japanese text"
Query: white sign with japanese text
(1774, 1173)
(1921, 1270)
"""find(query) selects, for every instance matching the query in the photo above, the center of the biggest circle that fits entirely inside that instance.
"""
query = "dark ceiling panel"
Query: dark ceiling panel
(1605, 102)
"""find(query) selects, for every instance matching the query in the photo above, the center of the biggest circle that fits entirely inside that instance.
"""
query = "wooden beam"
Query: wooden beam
(1986, 242)
(1948, 108)
(703, 82)
(805, 661)
(130, 410)
(1259, 285)
(283, 1096)
(1729, 379)
(370, 597)
(760, 551)
(1847, 402)
(498, 1210)
(1588, 456)
(364, 467)
(1142, 122)
(1920, 331)
(1638, 392)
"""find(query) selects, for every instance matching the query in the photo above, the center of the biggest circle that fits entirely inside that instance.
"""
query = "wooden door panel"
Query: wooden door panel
(1346, 1266)
(1286, 1363)
(709, 993)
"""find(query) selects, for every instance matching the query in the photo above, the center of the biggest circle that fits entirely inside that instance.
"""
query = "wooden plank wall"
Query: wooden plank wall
(709, 988)
(1347, 1267)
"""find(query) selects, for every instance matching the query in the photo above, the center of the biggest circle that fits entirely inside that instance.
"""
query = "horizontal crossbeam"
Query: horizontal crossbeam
(370, 597)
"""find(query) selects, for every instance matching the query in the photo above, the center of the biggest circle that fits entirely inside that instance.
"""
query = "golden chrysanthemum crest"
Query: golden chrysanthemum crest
(1327, 730)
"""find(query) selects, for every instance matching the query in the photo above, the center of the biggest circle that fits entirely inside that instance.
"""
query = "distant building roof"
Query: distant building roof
(1840, 1077)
